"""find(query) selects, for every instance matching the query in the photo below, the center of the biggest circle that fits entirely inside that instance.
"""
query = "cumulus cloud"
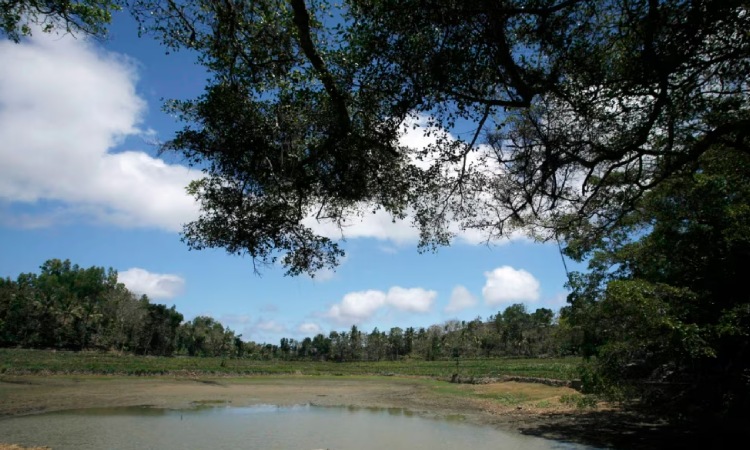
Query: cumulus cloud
(64, 106)
(415, 300)
(461, 299)
(506, 284)
(309, 329)
(155, 285)
(358, 307)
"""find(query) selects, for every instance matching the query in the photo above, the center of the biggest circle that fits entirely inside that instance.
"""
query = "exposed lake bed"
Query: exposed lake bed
(262, 427)
(517, 408)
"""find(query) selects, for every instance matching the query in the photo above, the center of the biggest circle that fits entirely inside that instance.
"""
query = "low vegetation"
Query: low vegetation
(24, 361)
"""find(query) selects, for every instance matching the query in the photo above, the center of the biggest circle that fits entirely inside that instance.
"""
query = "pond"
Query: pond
(261, 427)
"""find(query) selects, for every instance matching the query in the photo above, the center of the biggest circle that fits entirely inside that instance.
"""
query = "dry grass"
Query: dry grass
(531, 398)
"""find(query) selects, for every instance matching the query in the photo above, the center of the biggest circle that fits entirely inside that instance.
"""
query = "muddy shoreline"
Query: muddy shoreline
(541, 414)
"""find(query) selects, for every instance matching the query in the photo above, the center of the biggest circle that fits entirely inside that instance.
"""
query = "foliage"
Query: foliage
(204, 336)
(664, 311)
(68, 307)
(583, 106)
(19, 18)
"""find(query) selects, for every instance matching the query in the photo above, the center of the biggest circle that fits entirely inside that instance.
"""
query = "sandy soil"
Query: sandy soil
(539, 413)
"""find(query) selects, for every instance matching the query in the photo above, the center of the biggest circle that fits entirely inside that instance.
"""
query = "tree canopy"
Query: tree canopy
(19, 18)
(663, 310)
(68, 307)
(576, 109)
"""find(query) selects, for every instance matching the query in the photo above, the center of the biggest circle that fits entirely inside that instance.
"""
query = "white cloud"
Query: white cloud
(358, 307)
(64, 105)
(461, 299)
(309, 329)
(155, 285)
(506, 284)
(416, 300)
(378, 225)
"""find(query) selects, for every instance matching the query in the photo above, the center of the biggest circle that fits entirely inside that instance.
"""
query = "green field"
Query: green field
(21, 361)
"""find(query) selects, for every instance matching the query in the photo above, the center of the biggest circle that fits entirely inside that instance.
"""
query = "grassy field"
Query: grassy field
(20, 361)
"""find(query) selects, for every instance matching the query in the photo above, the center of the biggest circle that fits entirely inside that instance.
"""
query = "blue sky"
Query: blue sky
(80, 180)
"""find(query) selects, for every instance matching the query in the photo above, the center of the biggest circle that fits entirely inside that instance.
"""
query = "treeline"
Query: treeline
(72, 308)
(68, 307)
(513, 332)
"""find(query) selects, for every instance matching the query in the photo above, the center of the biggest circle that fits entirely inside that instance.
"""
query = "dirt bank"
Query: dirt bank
(522, 407)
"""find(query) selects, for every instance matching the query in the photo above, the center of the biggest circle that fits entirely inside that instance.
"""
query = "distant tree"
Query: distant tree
(305, 349)
(409, 336)
(540, 334)
(453, 339)
(515, 322)
(339, 345)
(19, 313)
(321, 346)
(434, 343)
(356, 342)
(396, 344)
(285, 347)
(123, 318)
(159, 329)
(205, 336)
(475, 332)
(377, 344)
(69, 307)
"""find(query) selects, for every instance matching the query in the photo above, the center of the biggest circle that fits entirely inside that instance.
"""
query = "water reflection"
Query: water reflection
(208, 425)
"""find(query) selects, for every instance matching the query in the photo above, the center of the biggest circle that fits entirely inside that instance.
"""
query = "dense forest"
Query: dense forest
(68, 307)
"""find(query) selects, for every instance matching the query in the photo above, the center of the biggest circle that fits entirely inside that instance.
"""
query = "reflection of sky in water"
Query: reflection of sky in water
(219, 426)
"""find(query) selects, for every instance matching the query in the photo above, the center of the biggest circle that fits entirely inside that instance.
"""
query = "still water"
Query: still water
(259, 427)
